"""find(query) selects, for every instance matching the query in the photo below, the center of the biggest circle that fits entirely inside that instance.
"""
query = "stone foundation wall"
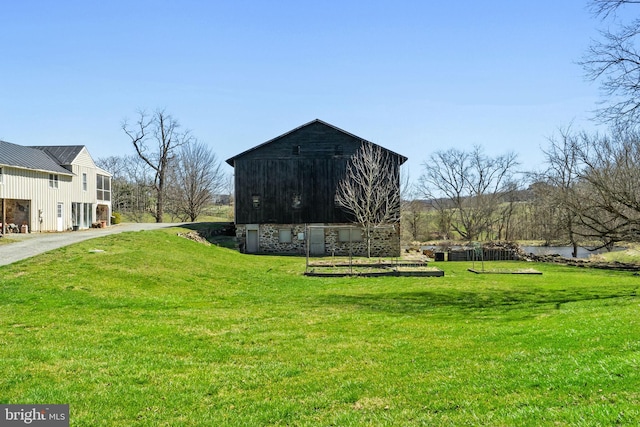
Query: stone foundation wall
(384, 242)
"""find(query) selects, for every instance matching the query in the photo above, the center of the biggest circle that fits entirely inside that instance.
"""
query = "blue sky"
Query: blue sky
(412, 76)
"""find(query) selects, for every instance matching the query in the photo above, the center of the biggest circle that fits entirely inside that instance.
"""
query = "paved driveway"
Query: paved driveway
(33, 244)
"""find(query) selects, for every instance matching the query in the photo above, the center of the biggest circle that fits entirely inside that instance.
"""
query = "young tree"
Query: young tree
(156, 137)
(195, 178)
(370, 189)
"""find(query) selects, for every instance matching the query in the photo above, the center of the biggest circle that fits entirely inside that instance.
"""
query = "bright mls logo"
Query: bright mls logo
(34, 415)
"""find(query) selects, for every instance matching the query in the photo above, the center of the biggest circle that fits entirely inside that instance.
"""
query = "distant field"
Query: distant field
(211, 214)
(158, 330)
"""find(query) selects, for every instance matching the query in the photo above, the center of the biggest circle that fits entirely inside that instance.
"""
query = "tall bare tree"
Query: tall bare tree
(608, 192)
(370, 189)
(156, 137)
(467, 188)
(130, 185)
(594, 182)
(196, 176)
(560, 194)
(614, 60)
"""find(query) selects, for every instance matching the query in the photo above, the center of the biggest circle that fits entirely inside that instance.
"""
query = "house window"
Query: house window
(338, 150)
(84, 181)
(284, 235)
(255, 201)
(53, 180)
(103, 184)
(350, 235)
(0, 175)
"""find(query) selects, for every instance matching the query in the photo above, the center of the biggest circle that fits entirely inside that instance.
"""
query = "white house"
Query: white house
(51, 188)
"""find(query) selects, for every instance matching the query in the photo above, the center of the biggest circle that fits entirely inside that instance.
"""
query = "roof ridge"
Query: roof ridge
(231, 160)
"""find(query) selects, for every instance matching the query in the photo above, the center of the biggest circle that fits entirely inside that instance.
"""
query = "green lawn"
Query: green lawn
(158, 330)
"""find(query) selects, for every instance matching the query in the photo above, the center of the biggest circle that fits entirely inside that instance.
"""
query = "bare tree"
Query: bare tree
(412, 209)
(594, 182)
(615, 62)
(608, 191)
(130, 185)
(156, 137)
(116, 166)
(370, 189)
(467, 188)
(560, 194)
(605, 8)
(196, 176)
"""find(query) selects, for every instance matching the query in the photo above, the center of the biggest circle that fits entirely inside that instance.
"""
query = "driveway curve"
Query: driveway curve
(29, 245)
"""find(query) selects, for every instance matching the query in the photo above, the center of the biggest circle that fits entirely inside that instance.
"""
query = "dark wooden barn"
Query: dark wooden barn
(289, 181)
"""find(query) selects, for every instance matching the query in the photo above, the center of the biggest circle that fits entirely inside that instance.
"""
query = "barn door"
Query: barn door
(316, 241)
(252, 241)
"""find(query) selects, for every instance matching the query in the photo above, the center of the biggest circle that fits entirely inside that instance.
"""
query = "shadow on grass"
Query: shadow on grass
(426, 301)
(217, 233)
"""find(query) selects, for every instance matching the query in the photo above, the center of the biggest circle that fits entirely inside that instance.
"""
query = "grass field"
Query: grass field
(158, 330)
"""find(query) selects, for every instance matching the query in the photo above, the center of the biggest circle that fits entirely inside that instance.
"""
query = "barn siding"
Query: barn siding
(308, 162)
(276, 173)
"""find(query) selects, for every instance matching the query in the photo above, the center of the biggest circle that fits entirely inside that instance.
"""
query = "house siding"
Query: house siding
(32, 202)
(33, 187)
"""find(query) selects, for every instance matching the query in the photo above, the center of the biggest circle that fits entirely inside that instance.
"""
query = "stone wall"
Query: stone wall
(384, 242)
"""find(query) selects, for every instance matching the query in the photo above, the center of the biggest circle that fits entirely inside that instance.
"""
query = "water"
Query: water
(564, 251)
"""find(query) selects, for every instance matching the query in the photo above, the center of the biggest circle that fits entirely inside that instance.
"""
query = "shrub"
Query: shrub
(116, 218)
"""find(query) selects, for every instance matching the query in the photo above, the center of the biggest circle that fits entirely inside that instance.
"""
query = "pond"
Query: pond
(563, 251)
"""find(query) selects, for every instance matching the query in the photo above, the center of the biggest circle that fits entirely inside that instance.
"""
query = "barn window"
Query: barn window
(350, 235)
(296, 150)
(284, 235)
(338, 150)
(255, 201)
(296, 201)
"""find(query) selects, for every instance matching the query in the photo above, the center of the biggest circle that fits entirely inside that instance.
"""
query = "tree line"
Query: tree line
(588, 193)
(171, 173)
(589, 190)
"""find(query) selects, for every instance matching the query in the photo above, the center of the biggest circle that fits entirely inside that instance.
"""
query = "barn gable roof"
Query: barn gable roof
(22, 157)
(231, 160)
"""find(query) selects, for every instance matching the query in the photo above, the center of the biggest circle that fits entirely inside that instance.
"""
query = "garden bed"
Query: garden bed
(372, 269)
(520, 271)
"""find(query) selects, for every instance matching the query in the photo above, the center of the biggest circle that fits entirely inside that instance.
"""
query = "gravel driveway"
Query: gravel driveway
(28, 245)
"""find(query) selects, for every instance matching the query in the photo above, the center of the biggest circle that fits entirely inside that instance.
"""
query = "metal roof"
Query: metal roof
(29, 158)
(63, 154)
